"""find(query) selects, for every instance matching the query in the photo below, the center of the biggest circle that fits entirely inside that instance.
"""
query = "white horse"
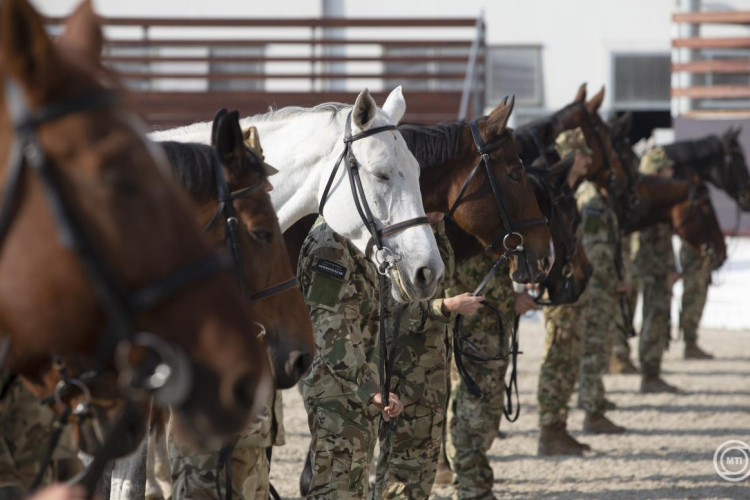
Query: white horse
(304, 144)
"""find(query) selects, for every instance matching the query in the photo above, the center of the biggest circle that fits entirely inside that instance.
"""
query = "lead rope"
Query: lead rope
(387, 352)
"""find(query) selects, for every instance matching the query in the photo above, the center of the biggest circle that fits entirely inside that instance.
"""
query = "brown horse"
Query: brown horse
(447, 153)
(683, 203)
(607, 172)
(98, 218)
(263, 263)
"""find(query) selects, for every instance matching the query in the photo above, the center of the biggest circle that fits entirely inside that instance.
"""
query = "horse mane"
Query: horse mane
(695, 150)
(193, 167)
(274, 114)
(433, 145)
(545, 129)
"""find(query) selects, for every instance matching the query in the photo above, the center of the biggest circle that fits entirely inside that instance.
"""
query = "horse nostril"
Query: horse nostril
(244, 392)
(424, 276)
(298, 364)
(548, 260)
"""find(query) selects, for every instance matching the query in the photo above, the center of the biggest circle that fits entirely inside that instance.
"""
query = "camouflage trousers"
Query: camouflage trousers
(696, 278)
(343, 442)
(409, 454)
(621, 347)
(655, 332)
(194, 476)
(561, 361)
(473, 423)
(602, 326)
(26, 428)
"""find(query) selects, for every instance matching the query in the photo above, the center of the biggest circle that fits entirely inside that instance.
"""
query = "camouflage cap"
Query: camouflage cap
(654, 161)
(572, 141)
(252, 141)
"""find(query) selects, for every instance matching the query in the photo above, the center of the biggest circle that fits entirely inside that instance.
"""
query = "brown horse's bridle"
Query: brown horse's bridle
(225, 210)
(166, 373)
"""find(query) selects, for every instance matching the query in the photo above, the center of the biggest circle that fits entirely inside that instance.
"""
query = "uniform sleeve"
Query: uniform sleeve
(326, 277)
(435, 311)
(598, 234)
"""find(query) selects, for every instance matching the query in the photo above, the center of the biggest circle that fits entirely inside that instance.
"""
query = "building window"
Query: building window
(426, 67)
(641, 81)
(514, 70)
(236, 65)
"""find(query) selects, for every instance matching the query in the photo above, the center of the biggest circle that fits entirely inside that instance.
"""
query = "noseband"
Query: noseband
(225, 210)
(389, 258)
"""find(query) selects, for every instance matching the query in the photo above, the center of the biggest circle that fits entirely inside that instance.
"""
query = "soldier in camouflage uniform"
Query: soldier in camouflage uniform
(26, 430)
(561, 359)
(408, 457)
(603, 320)
(654, 265)
(473, 422)
(193, 474)
(696, 278)
(341, 390)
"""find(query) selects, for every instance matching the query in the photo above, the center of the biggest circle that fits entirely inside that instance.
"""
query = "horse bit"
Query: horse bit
(167, 374)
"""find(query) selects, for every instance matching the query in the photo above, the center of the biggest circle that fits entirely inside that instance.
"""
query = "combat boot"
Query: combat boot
(653, 384)
(599, 424)
(692, 351)
(619, 366)
(555, 440)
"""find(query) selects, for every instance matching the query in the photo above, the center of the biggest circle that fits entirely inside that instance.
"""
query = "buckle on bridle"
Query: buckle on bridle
(568, 270)
(388, 260)
(515, 248)
(62, 388)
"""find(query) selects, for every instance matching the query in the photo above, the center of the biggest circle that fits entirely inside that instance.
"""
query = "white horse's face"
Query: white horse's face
(390, 179)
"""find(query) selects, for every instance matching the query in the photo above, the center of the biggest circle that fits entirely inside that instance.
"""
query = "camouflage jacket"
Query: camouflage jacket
(340, 287)
(601, 233)
(652, 252)
(498, 291)
(422, 336)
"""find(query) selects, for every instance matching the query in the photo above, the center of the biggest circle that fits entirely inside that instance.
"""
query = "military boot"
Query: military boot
(692, 351)
(619, 366)
(608, 405)
(599, 424)
(653, 384)
(555, 440)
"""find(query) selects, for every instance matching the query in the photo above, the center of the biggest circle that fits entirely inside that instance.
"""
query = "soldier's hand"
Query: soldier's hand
(624, 287)
(394, 408)
(673, 278)
(524, 303)
(61, 492)
(465, 304)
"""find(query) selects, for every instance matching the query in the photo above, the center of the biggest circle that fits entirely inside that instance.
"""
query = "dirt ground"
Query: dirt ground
(667, 452)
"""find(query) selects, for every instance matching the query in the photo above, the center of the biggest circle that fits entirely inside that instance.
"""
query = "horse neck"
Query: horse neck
(659, 197)
(701, 156)
(304, 150)
(545, 129)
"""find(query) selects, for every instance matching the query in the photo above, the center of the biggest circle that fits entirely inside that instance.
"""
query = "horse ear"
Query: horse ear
(26, 51)
(364, 110)
(504, 101)
(229, 140)
(395, 105)
(83, 32)
(497, 121)
(596, 102)
(581, 95)
(215, 125)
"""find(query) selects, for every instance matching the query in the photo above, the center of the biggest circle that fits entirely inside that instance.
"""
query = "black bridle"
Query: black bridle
(169, 385)
(225, 209)
(360, 200)
(460, 339)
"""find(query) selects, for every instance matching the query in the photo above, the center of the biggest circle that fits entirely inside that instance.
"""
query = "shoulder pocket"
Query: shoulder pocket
(327, 284)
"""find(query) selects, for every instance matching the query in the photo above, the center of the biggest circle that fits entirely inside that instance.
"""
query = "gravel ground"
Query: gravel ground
(667, 452)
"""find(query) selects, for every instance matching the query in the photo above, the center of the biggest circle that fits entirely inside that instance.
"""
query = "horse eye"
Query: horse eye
(262, 235)
(515, 176)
